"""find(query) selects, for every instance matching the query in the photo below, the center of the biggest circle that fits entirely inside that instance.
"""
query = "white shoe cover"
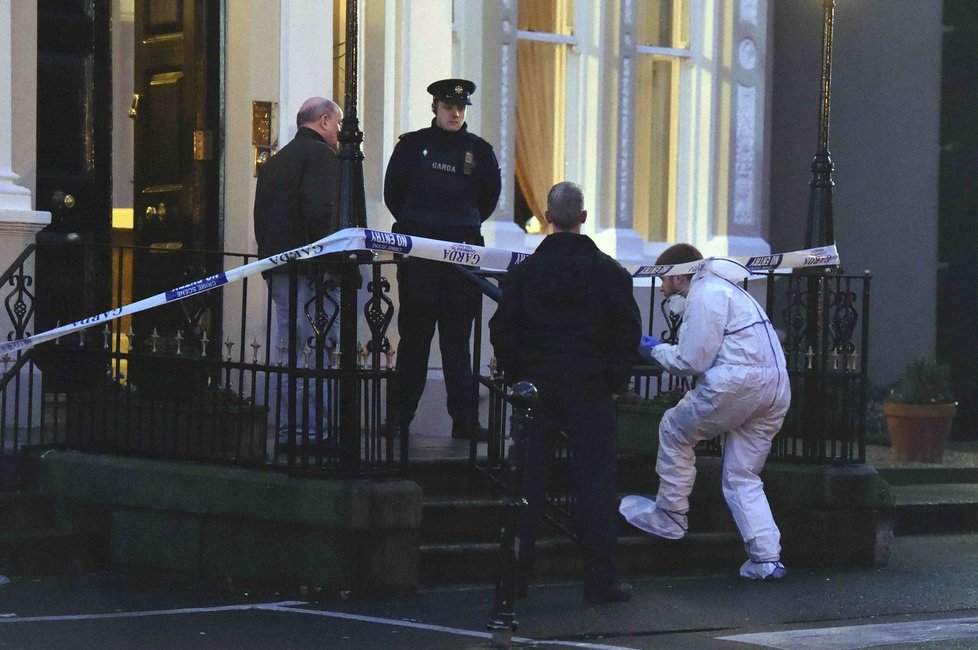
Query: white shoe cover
(762, 570)
(642, 513)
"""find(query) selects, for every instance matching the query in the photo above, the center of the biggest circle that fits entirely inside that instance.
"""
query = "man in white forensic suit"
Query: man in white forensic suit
(742, 393)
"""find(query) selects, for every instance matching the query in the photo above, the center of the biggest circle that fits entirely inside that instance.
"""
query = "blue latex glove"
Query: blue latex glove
(646, 345)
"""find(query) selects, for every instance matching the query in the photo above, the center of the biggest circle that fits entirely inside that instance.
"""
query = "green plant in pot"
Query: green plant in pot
(919, 411)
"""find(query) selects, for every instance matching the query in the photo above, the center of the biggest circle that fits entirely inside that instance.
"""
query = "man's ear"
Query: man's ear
(583, 216)
(546, 216)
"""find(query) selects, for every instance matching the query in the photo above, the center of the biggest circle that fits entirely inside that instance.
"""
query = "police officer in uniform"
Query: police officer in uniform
(442, 182)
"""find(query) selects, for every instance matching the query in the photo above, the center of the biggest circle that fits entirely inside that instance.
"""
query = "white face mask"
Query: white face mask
(676, 304)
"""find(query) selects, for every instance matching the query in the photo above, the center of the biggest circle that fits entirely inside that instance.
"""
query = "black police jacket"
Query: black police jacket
(567, 315)
(441, 184)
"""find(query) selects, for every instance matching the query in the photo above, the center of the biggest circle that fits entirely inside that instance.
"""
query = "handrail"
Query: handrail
(28, 251)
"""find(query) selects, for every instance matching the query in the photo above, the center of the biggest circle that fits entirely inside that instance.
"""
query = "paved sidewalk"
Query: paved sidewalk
(929, 578)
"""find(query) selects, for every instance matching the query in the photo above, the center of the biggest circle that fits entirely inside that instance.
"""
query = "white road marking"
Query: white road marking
(863, 636)
(291, 606)
(13, 618)
(441, 628)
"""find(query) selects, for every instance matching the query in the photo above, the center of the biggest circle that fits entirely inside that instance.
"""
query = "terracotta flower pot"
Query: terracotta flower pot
(918, 432)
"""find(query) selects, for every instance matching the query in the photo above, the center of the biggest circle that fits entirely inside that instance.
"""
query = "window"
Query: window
(559, 72)
(545, 33)
(339, 53)
(661, 28)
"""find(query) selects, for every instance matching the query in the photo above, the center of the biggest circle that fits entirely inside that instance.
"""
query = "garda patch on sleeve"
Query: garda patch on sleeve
(379, 240)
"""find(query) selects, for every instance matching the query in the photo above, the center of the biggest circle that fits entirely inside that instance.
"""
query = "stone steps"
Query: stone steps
(932, 499)
(559, 557)
(935, 508)
(461, 522)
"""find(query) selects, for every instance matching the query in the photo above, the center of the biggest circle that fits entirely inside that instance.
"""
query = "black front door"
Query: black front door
(176, 192)
(74, 159)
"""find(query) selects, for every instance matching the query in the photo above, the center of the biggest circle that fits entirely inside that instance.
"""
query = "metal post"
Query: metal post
(820, 230)
(352, 213)
(352, 208)
(503, 622)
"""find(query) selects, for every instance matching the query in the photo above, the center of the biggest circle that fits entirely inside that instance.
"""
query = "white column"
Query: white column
(426, 56)
(618, 237)
(306, 59)
(18, 221)
(497, 29)
(746, 232)
(12, 196)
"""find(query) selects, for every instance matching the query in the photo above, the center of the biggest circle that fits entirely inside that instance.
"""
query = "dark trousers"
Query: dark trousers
(587, 416)
(431, 294)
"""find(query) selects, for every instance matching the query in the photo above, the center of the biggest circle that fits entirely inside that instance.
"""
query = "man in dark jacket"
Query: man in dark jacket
(296, 202)
(442, 182)
(568, 322)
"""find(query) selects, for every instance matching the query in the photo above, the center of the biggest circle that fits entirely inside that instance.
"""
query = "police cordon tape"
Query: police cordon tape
(810, 257)
(364, 239)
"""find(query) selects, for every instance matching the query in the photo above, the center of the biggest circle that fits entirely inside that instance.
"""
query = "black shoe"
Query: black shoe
(461, 432)
(615, 592)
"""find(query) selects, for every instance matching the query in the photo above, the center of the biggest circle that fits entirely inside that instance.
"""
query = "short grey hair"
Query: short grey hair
(314, 108)
(565, 202)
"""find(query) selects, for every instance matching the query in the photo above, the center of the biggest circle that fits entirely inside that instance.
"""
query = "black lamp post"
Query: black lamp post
(352, 214)
(352, 208)
(819, 231)
(819, 226)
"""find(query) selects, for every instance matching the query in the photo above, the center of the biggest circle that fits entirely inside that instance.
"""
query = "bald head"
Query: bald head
(322, 116)
(314, 108)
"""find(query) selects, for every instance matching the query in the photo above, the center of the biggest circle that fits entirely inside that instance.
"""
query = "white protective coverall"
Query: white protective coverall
(727, 341)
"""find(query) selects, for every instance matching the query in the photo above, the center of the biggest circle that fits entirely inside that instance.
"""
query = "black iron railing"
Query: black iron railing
(825, 340)
(205, 378)
(824, 320)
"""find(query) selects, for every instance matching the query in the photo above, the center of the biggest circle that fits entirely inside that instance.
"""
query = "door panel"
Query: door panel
(176, 196)
(74, 107)
(74, 162)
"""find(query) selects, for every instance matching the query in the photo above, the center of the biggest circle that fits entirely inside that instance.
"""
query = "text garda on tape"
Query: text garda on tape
(360, 239)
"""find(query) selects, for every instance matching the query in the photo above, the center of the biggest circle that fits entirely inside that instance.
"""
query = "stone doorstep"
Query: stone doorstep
(810, 503)
(559, 557)
(919, 474)
(935, 508)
